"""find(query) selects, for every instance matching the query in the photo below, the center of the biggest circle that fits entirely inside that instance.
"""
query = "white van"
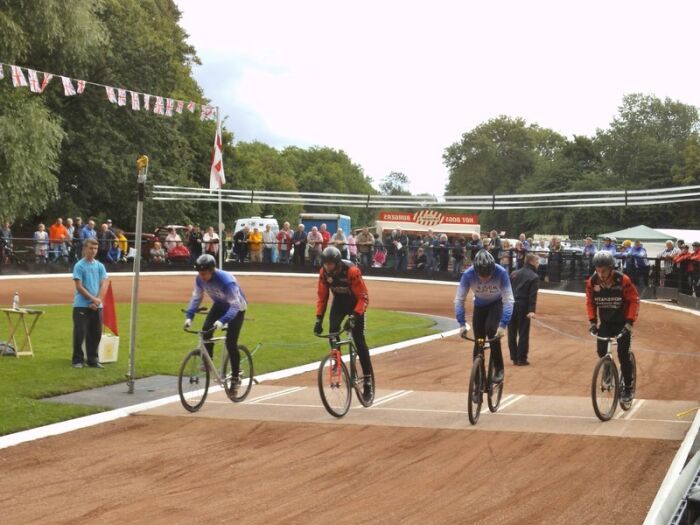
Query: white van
(257, 222)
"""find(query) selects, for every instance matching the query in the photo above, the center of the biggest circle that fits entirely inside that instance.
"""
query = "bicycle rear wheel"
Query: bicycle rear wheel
(495, 390)
(605, 388)
(476, 390)
(245, 375)
(193, 382)
(623, 405)
(334, 385)
(359, 381)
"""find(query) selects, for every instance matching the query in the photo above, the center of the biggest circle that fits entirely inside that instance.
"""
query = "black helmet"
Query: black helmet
(331, 254)
(484, 264)
(205, 262)
(603, 258)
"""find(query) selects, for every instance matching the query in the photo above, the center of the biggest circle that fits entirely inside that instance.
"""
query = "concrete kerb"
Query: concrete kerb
(111, 415)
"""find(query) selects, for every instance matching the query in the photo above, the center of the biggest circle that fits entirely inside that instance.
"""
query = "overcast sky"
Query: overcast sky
(393, 83)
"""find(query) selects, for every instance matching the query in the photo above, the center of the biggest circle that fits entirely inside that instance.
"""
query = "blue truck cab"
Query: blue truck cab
(332, 221)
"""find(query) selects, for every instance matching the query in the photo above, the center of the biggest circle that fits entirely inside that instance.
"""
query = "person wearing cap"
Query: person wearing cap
(228, 308)
(683, 264)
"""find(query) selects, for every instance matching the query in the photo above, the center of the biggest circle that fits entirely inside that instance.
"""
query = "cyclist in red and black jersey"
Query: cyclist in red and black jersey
(350, 299)
(612, 298)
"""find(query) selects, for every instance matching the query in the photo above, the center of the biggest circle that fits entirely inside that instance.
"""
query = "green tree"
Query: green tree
(396, 183)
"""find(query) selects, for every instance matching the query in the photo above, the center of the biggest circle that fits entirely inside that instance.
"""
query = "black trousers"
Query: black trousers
(87, 328)
(339, 309)
(232, 333)
(623, 347)
(519, 333)
(485, 321)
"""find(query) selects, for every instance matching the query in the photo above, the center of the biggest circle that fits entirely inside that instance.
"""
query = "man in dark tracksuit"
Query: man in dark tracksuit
(525, 283)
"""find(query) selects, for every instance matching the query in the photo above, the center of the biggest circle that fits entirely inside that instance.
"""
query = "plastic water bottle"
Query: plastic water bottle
(15, 301)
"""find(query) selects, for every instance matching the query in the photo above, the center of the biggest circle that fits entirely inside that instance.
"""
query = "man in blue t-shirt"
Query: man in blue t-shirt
(493, 303)
(90, 278)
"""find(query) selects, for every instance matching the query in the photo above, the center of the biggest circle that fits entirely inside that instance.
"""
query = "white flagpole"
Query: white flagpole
(222, 244)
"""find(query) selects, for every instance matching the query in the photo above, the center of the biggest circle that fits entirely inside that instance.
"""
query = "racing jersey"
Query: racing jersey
(485, 293)
(224, 290)
(616, 304)
(347, 285)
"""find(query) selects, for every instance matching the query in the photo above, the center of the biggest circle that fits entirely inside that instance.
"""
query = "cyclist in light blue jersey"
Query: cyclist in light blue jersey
(493, 303)
(228, 309)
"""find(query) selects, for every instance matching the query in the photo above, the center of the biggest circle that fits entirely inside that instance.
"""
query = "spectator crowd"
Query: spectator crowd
(427, 253)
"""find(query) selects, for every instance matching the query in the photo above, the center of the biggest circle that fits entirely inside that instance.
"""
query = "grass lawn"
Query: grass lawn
(284, 330)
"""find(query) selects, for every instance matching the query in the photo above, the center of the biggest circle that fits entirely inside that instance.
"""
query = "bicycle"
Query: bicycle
(480, 383)
(198, 366)
(607, 384)
(334, 381)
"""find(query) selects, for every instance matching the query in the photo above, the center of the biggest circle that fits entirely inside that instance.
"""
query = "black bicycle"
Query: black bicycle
(480, 383)
(607, 384)
(334, 380)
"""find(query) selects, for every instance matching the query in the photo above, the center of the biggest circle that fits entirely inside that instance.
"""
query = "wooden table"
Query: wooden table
(18, 319)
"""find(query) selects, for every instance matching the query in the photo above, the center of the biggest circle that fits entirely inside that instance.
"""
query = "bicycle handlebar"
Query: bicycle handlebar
(203, 332)
(489, 340)
(606, 339)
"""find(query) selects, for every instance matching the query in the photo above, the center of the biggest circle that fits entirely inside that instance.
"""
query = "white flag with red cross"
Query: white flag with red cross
(45, 82)
(217, 179)
(34, 85)
(81, 86)
(135, 105)
(68, 89)
(18, 77)
(2, 71)
(111, 95)
(121, 97)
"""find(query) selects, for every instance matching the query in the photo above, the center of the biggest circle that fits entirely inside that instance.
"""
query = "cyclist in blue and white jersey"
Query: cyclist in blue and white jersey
(228, 309)
(493, 303)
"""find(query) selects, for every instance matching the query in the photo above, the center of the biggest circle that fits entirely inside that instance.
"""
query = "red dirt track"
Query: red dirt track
(146, 468)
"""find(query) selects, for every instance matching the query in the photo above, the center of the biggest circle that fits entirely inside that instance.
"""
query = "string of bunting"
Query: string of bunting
(157, 104)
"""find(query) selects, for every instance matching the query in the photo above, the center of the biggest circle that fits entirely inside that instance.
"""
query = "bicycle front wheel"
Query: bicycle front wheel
(193, 383)
(623, 405)
(605, 388)
(334, 385)
(476, 390)
(245, 375)
(495, 390)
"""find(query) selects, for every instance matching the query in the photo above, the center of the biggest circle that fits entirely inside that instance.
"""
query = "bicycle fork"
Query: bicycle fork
(336, 369)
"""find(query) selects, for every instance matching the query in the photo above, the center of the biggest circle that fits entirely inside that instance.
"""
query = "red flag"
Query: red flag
(109, 311)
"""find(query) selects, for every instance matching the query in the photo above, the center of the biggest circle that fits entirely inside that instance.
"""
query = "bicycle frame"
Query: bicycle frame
(336, 345)
(218, 376)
